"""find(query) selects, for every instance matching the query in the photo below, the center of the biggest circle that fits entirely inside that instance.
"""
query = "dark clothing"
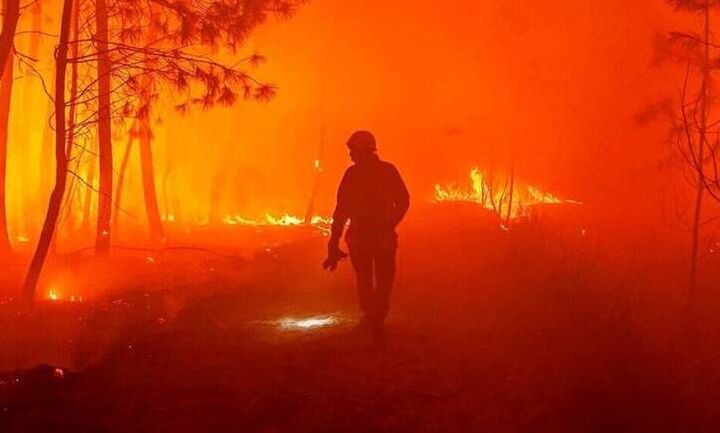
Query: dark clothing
(375, 272)
(373, 196)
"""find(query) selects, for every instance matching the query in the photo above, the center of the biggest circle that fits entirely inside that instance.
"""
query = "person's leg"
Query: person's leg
(385, 277)
(362, 262)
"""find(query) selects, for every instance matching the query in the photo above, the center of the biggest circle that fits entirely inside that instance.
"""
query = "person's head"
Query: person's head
(362, 146)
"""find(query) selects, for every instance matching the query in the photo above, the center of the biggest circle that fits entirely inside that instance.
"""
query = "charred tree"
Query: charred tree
(105, 158)
(89, 197)
(74, 77)
(6, 86)
(11, 14)
(157, 232)
(317, 165)
(698, 121)
(511, 192)
(147, 167)
(179, 58)
(120, 187)
(61, 162)
(700, 155)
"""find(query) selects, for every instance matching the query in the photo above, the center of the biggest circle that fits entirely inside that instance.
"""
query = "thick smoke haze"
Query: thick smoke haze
(556, 86)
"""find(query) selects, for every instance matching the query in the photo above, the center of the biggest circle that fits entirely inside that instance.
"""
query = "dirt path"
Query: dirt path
(478, 342)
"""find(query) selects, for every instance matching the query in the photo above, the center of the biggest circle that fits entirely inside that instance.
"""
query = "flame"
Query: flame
(53, 296)
(285, 220)
(319, 222)
(498, 198)
(542, 197)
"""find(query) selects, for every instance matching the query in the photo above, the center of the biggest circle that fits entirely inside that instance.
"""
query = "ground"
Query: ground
(543, 328)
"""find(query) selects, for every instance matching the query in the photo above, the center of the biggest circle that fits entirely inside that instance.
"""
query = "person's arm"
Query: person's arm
(401, 197)
(340, 218)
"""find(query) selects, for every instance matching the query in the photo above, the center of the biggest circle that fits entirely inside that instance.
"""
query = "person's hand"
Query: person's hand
(335, 254)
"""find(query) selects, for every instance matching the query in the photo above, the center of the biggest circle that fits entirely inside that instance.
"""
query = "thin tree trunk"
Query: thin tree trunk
(5, 96)
(310, 211)
(74, 50)
(46, 150)
(147, 167)
(72, 117)
(61, 163)
(216, 193)
(102, 236)
(25, 190)
(510, 196)
(11, 13)
(697, 211)
(132, 134)
(88, 198)
(220, 179)
(48, 133)
(157, 232)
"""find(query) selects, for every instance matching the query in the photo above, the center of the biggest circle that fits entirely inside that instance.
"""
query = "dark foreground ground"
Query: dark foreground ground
(542, 329)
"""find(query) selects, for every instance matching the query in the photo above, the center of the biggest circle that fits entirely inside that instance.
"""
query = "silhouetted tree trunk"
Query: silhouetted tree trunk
(145, 138)
(510, 194)
(74, 50)
(5, 96)
(46, 150)
(169, 208)
(61, 162)
(88, 198)
(697, 209)
(102, 236)
(317, 165)
(48, 133)
(72, 116)
(132, 134)
(216, 193)
(148, 175)
(220, 178)
(27, 104)
(11, 13)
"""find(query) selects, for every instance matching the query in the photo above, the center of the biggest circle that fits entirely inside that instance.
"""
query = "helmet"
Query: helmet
(362, 140)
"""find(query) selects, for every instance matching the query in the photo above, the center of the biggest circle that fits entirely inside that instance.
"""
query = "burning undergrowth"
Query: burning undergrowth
(509, 199)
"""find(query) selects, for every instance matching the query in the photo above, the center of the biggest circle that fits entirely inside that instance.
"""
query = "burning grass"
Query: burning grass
(511, 201)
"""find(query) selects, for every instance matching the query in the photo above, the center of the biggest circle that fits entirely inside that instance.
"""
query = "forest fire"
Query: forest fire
(359, 216)
(510, 201)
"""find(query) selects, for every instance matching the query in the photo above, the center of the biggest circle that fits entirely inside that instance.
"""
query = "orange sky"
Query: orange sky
(451, 85)
(445, 86)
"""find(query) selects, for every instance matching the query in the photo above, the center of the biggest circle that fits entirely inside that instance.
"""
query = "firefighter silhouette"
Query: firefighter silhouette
(373, 197)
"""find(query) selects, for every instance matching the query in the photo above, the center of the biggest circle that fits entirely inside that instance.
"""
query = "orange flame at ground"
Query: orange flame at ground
(320, 222)
(54, 295)
(510, 199)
